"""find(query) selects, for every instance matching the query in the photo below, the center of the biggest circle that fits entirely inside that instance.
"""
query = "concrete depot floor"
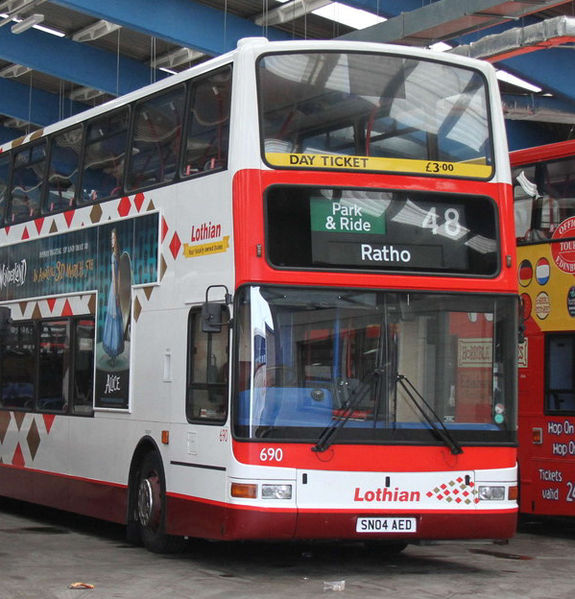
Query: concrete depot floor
(42, 552)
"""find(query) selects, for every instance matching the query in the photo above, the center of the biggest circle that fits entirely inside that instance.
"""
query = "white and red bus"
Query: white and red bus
(272, 297)
(544, 188)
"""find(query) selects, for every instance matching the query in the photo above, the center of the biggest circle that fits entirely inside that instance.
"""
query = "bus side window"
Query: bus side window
(4, 182)
(208, 362)
(208, 123)
(83, 361)
(17, 368)
(27, 182)
(560, 375)
(157, 137)
(54, 366)
(105, 155)
(63, 171)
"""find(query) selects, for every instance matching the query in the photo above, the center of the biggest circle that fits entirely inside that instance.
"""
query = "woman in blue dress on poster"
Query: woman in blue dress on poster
(113, 335)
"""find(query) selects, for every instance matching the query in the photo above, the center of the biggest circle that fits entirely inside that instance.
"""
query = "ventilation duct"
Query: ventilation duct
(521, 40)
(447, 19)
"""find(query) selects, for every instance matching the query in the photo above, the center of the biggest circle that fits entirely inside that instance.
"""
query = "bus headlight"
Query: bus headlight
(491, 493)
(276, 492)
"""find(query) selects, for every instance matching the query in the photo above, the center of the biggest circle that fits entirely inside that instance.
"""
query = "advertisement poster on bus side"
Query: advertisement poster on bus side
(107, 259)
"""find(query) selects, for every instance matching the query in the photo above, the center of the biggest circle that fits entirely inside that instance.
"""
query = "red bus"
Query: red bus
(544, 188)
(272, 297)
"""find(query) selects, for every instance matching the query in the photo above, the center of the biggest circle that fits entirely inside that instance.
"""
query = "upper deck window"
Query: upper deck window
(544, 199)
(27, 181)
(104, 157)
(63, 170)
(374, 112)
(4, 180)
(207, 135)
(156, 140)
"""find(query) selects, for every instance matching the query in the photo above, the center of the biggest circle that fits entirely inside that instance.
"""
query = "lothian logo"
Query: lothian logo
(386, 495)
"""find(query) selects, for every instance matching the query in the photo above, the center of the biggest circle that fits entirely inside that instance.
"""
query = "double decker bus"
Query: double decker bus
(272, 297)
(544, 189)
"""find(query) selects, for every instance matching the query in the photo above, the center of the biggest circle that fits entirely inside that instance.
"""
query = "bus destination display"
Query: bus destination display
(384, 230)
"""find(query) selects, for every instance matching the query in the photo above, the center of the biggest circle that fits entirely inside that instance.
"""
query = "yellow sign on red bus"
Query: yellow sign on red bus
(371, 163)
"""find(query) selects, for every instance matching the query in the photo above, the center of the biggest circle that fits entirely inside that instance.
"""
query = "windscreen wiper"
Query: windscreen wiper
(434, 421)
(356, 396)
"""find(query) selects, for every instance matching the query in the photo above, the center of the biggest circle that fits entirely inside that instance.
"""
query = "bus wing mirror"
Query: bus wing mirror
(212, 314)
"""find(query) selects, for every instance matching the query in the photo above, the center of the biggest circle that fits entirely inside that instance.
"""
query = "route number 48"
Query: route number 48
(451, 225)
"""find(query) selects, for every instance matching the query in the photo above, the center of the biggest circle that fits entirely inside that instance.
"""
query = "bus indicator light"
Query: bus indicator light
(244, 491)
(537, 435)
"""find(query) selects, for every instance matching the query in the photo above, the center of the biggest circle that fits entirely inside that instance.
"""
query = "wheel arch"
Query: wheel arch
(145, 446)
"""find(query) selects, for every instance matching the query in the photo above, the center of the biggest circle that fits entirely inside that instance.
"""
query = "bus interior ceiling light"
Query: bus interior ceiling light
(27, 23)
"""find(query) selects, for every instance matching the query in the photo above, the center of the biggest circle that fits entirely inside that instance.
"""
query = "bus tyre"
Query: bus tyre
(151, 507)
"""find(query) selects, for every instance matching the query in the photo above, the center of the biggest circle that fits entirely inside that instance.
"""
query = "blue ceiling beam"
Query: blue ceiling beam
(528, 134)
(72, 61)
(549, 69)
(182, 22)
(33, 105)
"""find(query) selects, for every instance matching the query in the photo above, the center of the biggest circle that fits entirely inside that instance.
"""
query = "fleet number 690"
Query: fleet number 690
(271, 454)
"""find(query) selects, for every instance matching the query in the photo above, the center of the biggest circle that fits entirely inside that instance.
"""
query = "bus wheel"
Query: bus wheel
(151, 507)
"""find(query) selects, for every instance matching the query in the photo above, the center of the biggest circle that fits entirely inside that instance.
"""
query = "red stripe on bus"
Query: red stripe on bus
(376, 458)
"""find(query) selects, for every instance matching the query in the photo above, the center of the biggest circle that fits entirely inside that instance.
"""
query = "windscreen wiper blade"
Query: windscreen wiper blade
(434, 422)
(328, 434)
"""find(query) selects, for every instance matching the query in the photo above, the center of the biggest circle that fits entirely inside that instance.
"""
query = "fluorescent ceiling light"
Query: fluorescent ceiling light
(509, 78)
(289, 11)
(7, 18)
(27, 23)
(440, 47)
(348, 15)
(50, 30)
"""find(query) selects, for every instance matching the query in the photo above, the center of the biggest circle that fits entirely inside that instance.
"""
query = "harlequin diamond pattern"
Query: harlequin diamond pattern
(455, 491)
(33, 439)
(29, 437)
(96, 214)
(175, 245)
(139, 200)
(124, 206)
